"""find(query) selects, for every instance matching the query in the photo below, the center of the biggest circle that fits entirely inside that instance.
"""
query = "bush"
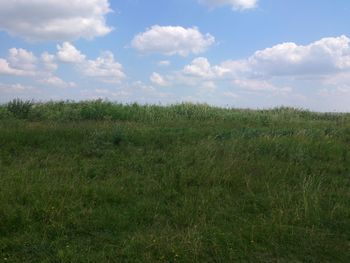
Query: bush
(19, 108)
(3, 112)
(95, 110)
(118, 136)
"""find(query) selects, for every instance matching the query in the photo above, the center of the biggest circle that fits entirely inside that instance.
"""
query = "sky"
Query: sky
(230, 53)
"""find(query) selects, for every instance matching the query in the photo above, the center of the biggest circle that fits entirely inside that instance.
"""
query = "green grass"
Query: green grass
(103, 182)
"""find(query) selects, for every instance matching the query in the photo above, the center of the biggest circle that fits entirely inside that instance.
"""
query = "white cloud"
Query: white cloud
(158, 79)
(200, 67)
(277, 75)
(69, 54)
(128, 93)
(326, 56)
(235, 4)
(22, 59)
(19, 62)
(140, 86)
(325, 62)
(55, 81)
(6, 69)
(55, 19)
(285, 74)
(172, 40)
(321, 59)
(338, 91)
(104, 68)
(14, 88)
(338, 80)
(164, 63)
(145, 93)
(49, 61)
(199, 74)
(260, 85)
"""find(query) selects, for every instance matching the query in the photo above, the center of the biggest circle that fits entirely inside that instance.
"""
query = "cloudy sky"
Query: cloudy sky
(237, 53)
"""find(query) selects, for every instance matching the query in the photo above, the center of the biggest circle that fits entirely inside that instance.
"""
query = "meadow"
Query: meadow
(97, 181)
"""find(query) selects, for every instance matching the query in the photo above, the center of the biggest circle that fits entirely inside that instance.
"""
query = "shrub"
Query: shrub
(3, 112)
(19, 108)
(95, 110)
(118, 136)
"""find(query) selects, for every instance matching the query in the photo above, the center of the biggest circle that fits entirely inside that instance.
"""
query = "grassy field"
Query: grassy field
(103, 182)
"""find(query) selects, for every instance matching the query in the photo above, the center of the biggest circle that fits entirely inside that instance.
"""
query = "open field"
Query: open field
(103, 182)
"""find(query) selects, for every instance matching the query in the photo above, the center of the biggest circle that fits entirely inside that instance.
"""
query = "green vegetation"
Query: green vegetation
(102, 182)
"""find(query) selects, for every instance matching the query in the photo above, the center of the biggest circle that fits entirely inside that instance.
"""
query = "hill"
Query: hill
(103, 182)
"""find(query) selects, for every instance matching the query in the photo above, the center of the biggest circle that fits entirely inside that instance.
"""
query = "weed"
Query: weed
(20, 108)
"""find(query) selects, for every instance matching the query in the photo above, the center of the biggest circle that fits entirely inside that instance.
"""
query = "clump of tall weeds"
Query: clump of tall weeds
(19, 108)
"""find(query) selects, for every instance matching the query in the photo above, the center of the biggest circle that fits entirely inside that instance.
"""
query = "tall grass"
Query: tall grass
(104, 182)
(105, 110)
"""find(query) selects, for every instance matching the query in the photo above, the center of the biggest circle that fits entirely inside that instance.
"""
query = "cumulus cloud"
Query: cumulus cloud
(200, 67)
(22, 59)
(69, 54)
(55, 19)
(158, 79)
(172, 40)
(55, 81)
(49, 61)
(199, 73)
(19, 62)
(326, 56)
(323, 59)
(6, 69)
(23, 63)
(235, 4)
(104, 68)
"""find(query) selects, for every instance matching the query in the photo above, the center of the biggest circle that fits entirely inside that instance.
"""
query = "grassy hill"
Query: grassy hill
(103, 182)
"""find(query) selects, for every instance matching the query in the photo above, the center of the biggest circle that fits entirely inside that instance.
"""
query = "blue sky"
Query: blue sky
(237, 53)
